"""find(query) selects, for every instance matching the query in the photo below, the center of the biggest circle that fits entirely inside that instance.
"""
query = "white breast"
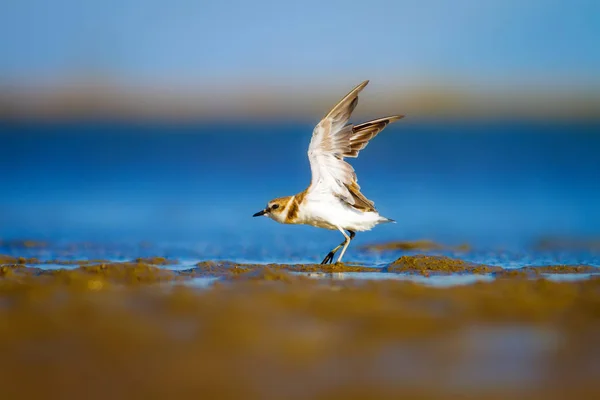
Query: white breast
(331, 213)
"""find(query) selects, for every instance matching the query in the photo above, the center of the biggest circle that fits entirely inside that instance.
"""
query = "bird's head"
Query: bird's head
(275, 209)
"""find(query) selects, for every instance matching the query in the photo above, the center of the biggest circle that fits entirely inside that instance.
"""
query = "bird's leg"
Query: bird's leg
(352, 234)
(329, 257)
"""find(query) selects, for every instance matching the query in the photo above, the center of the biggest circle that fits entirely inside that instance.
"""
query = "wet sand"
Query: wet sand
(139, 329)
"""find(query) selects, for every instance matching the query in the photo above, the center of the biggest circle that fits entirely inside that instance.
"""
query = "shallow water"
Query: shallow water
(205, 282)
(439, 281)
(117, 191)
(192, 188)
(435, 280)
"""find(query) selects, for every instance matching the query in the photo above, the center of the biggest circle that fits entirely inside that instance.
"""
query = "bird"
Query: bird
(333, 199)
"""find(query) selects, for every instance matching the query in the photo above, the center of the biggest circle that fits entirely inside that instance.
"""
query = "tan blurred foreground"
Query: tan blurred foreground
(136, 331)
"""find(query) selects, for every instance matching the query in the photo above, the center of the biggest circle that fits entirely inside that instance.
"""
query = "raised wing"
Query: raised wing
(332, 140)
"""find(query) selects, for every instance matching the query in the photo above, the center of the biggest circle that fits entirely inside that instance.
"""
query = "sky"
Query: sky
(179, 41)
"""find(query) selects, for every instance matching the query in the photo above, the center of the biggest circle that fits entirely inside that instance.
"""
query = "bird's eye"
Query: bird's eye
(274, 206)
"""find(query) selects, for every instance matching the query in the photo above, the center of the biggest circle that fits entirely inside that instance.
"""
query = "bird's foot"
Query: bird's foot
(328, 258)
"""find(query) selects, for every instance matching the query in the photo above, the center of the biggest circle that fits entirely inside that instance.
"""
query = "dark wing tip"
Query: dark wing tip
(394, 118)
(357, 89)
(347, 104)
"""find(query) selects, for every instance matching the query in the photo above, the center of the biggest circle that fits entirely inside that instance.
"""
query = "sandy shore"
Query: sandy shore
(141, 330)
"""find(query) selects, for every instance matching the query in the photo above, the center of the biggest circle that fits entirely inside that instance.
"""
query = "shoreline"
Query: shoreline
(266, 332)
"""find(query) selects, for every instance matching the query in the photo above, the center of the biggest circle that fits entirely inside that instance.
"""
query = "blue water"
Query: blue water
(190, 189)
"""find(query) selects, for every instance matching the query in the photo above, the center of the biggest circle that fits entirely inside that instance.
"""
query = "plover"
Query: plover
(333, 200)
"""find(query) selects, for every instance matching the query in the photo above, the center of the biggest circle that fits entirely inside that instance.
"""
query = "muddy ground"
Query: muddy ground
(141, 330)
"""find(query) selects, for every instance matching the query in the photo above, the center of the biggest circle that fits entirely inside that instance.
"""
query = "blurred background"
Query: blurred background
(174, 121)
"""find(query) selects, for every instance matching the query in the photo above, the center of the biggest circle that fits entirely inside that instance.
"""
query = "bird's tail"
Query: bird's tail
(384, 220)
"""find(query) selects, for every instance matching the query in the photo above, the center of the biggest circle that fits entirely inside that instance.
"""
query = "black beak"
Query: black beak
(258, 214)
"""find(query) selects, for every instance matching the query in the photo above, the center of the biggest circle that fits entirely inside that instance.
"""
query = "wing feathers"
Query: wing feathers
(347, 104)
(360, 201)
(333, 139)
(363, 133)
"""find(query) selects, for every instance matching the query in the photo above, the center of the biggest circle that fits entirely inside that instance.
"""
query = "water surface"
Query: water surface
(188, 191)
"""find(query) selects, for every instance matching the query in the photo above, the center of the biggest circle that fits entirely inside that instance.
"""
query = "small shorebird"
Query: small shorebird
(333, 200)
